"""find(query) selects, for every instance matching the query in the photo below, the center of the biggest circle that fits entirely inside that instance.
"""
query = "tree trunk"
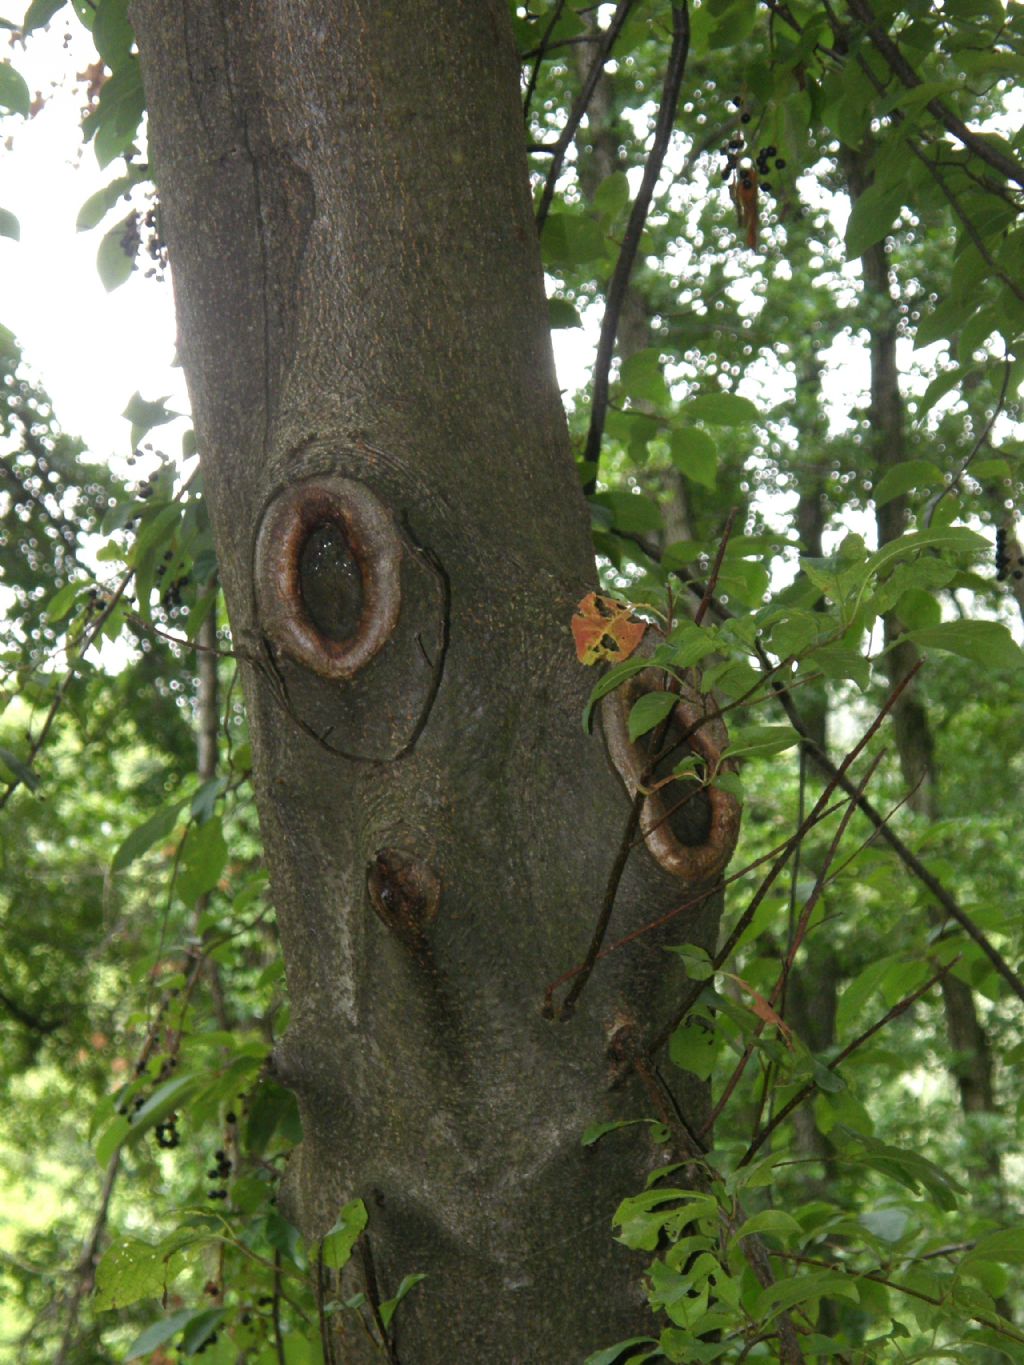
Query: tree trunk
(402, 540)
(971, 1061)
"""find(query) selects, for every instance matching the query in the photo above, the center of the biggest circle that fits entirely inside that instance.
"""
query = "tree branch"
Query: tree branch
(631, 238)
(607, 42)
(974, 142)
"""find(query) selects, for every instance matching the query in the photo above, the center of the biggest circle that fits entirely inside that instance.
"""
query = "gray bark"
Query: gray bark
(362, 325)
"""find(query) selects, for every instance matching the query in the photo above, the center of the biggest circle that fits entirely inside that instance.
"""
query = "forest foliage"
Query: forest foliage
(791, 234)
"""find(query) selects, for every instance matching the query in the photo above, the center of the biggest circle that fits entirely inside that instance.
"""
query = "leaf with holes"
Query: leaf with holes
(605, 630)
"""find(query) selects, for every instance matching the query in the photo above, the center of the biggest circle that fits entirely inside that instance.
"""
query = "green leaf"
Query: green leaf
(986, 642)
(940, 385)
(888, 1225)
(596, 1131)
(336, 1247)
(142, 838)
(562, 313)
(614, 678)
(60, 603)
(612, 195)
(98, 205)
(775, 1221)
(871, 217)
(9, 225)
(147, 413)
(643, 1217)
(387, 1308)
(165, 1099)
(648, 711)
(693, 1047)
(18, 769)
(113, 263)
(1006, 1247)
(39, 14)
(825, 1078)
(695, 455)
(115, 121)
(14, 94)
(902, 477)
(159, 1333)
(632, 512)
(202, 862)
(569, 240)
(798, 1289)
(957, 539)
(611, 1354)
(131, 1270)
(699, 966)
(761, 739)
(642, 378)
(112, 32)
(720, 409)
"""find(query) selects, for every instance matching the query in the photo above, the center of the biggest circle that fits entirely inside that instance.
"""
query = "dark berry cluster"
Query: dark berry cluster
(156, 247)
(166, 1133)
(220, 1172)
(131, 238)
(750, 169)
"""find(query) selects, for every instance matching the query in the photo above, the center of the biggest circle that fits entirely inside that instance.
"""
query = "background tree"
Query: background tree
(364, 330)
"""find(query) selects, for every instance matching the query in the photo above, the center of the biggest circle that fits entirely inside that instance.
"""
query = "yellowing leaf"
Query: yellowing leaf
(605, 630)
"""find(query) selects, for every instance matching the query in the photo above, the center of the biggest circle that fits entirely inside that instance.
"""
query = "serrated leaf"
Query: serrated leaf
(648, 711)
(901, 478)
(985, 642)
(113, 263)
(14, 93)
(336, 1247)
(720, 409)
(9, 225)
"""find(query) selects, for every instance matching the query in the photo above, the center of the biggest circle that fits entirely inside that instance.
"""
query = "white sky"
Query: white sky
(91, 350)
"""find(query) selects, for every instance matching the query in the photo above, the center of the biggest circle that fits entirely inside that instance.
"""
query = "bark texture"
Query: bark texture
(363, 328)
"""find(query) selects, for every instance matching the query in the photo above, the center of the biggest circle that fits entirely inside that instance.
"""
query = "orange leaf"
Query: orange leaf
(763, 1009)
(605, 630)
